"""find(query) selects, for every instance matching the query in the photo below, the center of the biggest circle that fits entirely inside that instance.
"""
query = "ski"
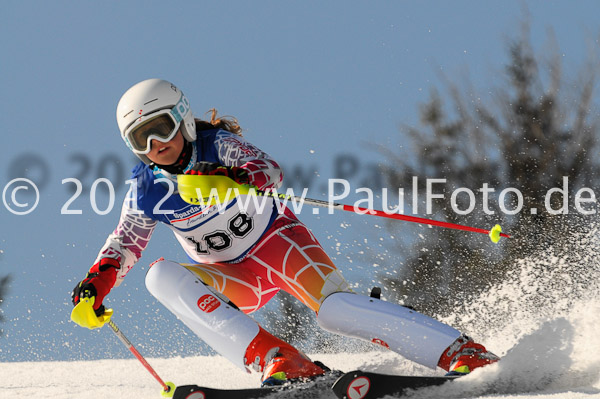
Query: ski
(198, 392)
(364, 385)
(315, 389)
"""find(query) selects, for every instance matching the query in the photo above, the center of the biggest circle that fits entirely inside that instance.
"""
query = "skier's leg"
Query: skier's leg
(220, 324)
(246, 290)
(290, 257)
(413, 335)
(409, 333)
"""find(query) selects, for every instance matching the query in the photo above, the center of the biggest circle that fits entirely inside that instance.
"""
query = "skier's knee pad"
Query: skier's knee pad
(405, 331)
(223, 327)
(334, 282)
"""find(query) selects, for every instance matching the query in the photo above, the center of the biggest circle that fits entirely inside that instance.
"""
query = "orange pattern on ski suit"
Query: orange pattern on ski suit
(287, 257)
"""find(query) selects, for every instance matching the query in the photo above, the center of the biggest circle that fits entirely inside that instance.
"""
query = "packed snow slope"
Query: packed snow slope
(557, 358)
(544, 321)
(530, 371)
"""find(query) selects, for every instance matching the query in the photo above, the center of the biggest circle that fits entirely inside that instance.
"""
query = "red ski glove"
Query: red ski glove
(98, 283)
(235, 173)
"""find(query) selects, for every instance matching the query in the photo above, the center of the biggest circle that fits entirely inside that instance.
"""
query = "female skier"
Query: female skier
(241, 258)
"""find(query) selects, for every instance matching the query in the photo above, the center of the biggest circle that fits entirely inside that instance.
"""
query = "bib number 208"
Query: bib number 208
(239, 227)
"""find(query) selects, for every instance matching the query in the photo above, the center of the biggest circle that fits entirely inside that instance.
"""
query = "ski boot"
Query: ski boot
(279, 361)
(290, 369)
(464, 356)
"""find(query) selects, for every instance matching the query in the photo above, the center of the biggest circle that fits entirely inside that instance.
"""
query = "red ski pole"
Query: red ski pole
(493, 233)
(191, 188)
(168, 387)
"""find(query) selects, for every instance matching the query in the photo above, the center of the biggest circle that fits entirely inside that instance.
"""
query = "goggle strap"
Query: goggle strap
(180, 109)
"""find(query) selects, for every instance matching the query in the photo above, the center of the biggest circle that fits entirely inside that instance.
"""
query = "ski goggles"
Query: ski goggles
(161, 125)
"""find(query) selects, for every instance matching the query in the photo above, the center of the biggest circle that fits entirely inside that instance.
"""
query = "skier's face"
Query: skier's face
(166, 153)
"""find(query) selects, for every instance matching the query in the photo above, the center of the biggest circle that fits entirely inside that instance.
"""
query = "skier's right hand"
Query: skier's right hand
(88, 295)
(84, 315)
(235, 173)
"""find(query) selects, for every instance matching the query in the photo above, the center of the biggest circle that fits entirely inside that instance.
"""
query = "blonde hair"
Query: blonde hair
(226, 122)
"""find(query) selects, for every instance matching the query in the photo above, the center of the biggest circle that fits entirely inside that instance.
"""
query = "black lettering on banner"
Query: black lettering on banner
(346, 166)
(84, 170)
(111, 162)
(30, 166)
(241, 225)
(199, 248)
(217, 241)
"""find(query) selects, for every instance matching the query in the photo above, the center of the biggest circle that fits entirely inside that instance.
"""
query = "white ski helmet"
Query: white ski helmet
(150, 99)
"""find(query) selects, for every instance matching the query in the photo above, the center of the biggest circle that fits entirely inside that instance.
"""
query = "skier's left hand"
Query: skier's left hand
(235, 173)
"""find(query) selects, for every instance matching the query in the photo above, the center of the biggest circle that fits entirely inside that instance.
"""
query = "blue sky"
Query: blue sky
(309, 81)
